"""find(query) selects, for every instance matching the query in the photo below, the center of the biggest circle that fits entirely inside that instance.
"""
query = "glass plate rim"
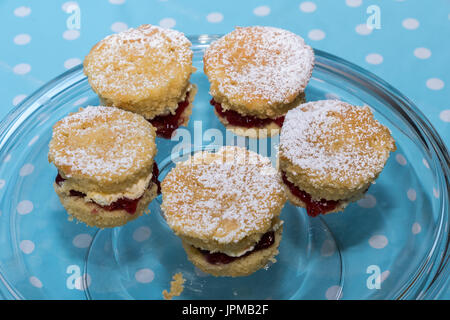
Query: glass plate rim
(400, 103)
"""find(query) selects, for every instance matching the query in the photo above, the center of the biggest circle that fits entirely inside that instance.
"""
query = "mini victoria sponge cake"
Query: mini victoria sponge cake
(256, 75)
(145, 70)
(225, 207)
(106, 172)
(330, 153)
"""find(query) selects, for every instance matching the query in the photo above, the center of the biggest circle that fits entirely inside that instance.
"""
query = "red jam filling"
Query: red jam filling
(236, 119)
(265, 242)
(313, 207)
(129, 205)
(166, 125)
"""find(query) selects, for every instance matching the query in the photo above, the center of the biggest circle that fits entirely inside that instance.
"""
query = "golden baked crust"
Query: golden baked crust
(258, 70)
(222, 197)
(145, 70)
(241, 267)
(333, 150)
(185, 116)
(234, 249)
(269, 130)
(103, 149)
(93, 215)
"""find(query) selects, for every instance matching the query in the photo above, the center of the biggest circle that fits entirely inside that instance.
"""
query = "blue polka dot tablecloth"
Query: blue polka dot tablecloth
(407, 46)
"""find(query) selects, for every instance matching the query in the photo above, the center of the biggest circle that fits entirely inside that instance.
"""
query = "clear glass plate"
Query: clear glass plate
(393, 244)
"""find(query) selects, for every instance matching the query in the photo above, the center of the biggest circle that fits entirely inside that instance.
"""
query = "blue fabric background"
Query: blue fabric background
(410, 51)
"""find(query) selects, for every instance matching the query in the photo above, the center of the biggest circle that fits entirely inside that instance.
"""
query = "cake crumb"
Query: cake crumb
(176, 287)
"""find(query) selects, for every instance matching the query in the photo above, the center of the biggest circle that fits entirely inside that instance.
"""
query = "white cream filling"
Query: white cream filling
(227, 107)
(274, 228)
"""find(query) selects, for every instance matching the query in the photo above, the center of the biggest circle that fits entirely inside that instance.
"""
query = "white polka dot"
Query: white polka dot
(261, 11)
(328, 248)
(333, 293)
(435, 84)
(71, 34)
(435, 193)
(117, 1)
(308, 6)
(119, 26)
(69, 4)
(25, 207)
(416, 228)
(374, 58)
(316, 34)
(33, 141)
(26, 170)
(425, 163)
(27, 246)
(422, 53)
(400, 159)
(18, 99)
(82, 240)
(363, 29)
(384, 275)
(144, 276)
(22, 39)
(378, 241)
(7, 158)
(35, 282)
(410, 24)
(168, 23)
(80, 101)
(353, 3)
(214, 17)
(83, 282)
(22, 11)
(141, 234)
(412, 195)
(2, 183)
(445, 115)
(369, 201)
(22, 68)
(72, 62)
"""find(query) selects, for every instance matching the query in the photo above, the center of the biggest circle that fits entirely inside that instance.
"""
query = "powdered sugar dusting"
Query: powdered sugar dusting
(263, 63)
(104, 142)
(333, 141)
(130, 62)
(223, 196)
